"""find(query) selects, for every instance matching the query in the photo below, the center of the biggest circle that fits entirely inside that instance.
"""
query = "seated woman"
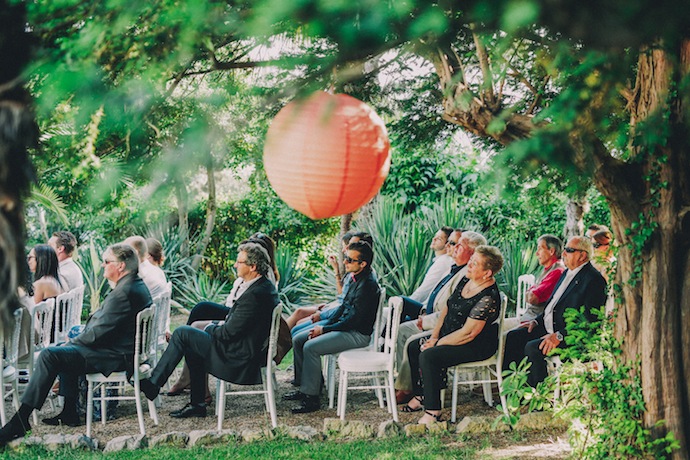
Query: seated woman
(155, 252)
(204, 313)
(466, 332)
(603, 259)
(43, 263)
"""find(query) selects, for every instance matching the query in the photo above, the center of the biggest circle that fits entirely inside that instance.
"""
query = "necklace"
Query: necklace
(471, 290)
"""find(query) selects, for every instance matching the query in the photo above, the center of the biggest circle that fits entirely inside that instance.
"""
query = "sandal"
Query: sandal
(407, 409)
(437, 417)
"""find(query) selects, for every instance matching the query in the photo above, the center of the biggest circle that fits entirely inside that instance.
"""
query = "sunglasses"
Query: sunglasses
(571, 250)
(598, 245)
(350, 260)
(452, 243)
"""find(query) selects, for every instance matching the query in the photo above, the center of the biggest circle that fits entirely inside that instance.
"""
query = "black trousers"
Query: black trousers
(520, 343)
(410, 309)
(429, 367)
(208, 311)
(65, 361)
(194, 345)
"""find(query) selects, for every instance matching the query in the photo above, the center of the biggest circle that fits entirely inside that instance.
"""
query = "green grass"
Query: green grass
(396, 448)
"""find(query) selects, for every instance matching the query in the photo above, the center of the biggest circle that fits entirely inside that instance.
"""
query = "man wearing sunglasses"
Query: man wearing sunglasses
(350, 327)
(580, 285)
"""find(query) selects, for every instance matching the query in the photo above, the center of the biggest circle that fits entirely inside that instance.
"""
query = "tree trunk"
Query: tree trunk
(211, 210)
(182, 215)
(653, 318)
(574, 211)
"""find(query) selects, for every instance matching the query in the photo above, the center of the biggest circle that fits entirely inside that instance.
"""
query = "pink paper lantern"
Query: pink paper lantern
(326, 155)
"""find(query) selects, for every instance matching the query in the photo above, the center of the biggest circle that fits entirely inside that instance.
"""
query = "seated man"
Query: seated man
(64, 244)
(154, 277)
(416, 302)
(235, 350)
(462, 245)
(325, 312)
(350, 327)
(580, 285)
(106, 345)
(549, 256)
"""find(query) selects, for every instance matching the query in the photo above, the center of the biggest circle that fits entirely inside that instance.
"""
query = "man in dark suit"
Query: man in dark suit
(234, 350)
(580, 285)
(106, 345)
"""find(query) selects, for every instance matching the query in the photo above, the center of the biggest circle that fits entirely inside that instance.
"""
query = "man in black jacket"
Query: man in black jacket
(350, 327)
(106, 345)
(234, 350)
(580, 285)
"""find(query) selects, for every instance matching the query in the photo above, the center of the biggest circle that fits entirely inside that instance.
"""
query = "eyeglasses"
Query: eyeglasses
(106, 261)
(598, 245)
(571, 250)
(350, 260)
(241, 262)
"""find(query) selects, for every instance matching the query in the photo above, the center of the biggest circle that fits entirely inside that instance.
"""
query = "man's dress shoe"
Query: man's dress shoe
(190, 410)
(309, 404)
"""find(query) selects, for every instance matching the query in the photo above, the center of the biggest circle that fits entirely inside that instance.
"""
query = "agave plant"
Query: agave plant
(198, 287)
(89, 261)
(450, 211)
(291, 287)
(519, 258)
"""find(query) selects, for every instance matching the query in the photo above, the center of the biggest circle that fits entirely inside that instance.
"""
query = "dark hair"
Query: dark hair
(155, 249)
(552, 242)
(366, 253)
(459, 230)
(364, 236)
(603, 237)
(66, 240)
(46, 262)
(270, 246)
(347, 236)
(447, 230)
(127, 254)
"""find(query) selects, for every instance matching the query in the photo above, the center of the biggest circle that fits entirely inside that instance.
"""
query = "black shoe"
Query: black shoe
(294, 383)
(294, 396)
(14, 429)
(190, 410)
(309, 404)
(149, 389)
(63, 419)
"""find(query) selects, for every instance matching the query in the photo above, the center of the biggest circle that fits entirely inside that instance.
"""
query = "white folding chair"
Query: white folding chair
(524, 283)
(144, 348)
(490, 368)
(10, 373)
(66, 315)
(161, 321)
(41, 325)
(331, 360)
(268, 377)
(79, 301)
(379, 366)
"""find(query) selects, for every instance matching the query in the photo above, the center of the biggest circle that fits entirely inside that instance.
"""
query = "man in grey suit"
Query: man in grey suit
(580, 285)
(234, 350)
(106, 345)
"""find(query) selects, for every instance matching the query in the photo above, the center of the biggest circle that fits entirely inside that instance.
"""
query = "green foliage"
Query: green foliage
(292, 276)
(198, 287)
(598, 389)
(89, 261)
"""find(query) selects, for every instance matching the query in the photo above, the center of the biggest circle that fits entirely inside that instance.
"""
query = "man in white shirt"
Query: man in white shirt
(580, 285)
(441, 263)
(64, 244)
(153, 277)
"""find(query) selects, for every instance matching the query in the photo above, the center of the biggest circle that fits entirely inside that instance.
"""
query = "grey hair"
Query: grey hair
(552, 242)
(474, 239)
(127, 254)
(257, 256)
(493, 259)
(582, 243)
(139, 245)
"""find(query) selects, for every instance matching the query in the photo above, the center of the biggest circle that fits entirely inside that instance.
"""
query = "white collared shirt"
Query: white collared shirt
(238, 288)
(548, 311)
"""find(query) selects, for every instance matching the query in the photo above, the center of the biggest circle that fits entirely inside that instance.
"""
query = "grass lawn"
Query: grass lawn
(398, 448)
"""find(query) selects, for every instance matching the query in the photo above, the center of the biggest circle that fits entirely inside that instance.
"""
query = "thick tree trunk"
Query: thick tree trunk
(211, 210)
(653, 318)
(574, 213)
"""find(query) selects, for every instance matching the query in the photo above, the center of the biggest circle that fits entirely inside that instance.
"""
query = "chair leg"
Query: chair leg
(3, 417)
(342, 394)
(104, 404)
(89, 408)
(391, 396)
(220, 402)
(140, 409)
(454, 397)
(271, 397)
(379, 394)
(331, 381)
(152, 412)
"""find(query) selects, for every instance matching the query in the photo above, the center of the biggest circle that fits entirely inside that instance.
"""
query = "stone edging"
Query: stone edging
(332, 429)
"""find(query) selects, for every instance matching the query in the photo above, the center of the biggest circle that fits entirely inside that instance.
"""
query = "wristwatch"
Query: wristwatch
(559, 336)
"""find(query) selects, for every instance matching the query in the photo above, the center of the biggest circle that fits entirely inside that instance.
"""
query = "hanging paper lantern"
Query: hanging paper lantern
(326, 155)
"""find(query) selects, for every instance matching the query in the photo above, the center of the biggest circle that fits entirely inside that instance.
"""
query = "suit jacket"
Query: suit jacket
(359, 307)
(587, 289)
(107, 342)
(239, 346)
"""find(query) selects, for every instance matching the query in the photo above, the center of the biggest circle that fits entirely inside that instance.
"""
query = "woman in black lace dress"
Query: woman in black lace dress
(466, 331)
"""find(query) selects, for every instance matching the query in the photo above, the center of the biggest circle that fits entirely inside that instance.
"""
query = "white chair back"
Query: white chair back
(66, 315)
(273, 336)
(42, 323)
(145, 339)
(10, 350)
(162, 315)
(379, 323)
(79, 300)
(524, 283)
(390, 339)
